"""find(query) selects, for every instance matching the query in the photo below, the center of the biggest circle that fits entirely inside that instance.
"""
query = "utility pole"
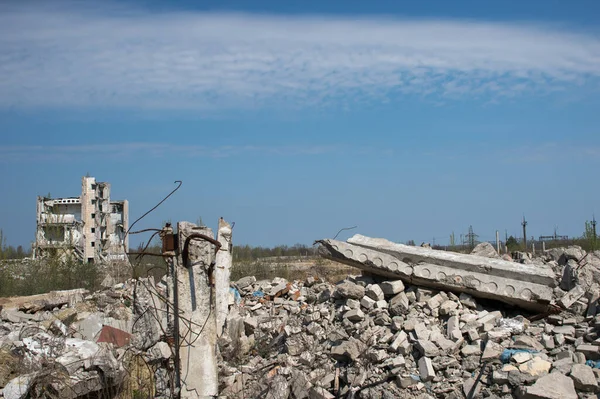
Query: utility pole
(594, 232)
(524, 224)
(497, 242)
(452, 239)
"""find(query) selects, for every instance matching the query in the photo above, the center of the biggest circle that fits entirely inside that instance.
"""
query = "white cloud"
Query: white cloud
(133, 150)
(75, 54)
(552, 152)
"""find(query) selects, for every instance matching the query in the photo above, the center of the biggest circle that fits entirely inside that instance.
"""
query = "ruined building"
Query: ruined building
(90, 227)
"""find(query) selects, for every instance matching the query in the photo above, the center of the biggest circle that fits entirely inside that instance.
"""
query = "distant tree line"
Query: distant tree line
(244, 253)
(10, 252)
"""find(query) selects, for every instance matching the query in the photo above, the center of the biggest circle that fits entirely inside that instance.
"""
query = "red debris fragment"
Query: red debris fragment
(115, 336)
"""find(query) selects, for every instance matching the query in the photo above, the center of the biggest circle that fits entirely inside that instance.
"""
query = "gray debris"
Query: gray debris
(584, 379)
(485, 249)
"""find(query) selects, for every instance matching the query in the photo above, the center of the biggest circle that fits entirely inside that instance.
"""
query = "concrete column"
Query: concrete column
(497, 242)
(543, 246)
(197, 321)
(222, 273)
(533, 248)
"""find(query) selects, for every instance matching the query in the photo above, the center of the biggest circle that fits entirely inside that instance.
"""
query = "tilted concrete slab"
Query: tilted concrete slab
(481, 277)
(366, 259)
(533, 273)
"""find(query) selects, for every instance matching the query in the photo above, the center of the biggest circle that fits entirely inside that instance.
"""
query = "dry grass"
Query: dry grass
(296, 268)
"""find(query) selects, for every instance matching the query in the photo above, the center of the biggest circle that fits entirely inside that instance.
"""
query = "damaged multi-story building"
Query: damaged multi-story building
(90, 227)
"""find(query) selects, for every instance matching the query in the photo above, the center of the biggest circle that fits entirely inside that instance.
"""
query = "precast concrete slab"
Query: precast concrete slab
(534, 273)
(366, 259)
(480, 277)
(509, 290)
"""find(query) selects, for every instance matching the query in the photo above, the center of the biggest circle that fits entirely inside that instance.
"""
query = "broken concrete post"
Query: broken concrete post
(498, 242)
(525, 285)
(222, 273)
(197, 325)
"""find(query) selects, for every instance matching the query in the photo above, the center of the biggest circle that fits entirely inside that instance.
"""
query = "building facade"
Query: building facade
(90, 227)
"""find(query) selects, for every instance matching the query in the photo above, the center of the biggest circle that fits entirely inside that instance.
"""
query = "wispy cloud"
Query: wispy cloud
(77, 54)
(551, 152)
(157, 150)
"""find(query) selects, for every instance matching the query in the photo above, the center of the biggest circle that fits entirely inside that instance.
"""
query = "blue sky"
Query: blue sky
(294, 119)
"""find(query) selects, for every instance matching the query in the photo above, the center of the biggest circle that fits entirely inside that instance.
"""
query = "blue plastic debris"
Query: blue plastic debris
(258, 294)
(508, 353)
(237, 298)
(595, 364)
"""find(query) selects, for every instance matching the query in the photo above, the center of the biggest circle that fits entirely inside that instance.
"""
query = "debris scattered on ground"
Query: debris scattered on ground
(367, 336)
(374, 337)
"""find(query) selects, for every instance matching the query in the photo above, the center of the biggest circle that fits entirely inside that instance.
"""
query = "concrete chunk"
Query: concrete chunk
(427, 348)
(374, 292)
(426, 370)
(348, 289)
(399, 304)
(591, 352)
(571, 297)
(564, 330)
(470, 350)
(319, 393)
(367, 302)
(453, 328)
(355, 315)
(551, 386)
(583, 378)
(392, 287)
(492, 351)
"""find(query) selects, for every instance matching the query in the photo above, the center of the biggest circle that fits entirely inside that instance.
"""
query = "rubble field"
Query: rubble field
(368, 336)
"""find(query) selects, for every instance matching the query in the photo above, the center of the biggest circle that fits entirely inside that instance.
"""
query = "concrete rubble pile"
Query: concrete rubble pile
(71, 344)
(392, 332)
(377, 336)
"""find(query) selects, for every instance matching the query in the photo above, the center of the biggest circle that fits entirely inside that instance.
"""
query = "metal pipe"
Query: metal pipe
(176, 336)
(186, 245)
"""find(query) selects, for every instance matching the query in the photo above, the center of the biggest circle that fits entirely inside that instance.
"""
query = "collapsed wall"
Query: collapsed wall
(529, 286)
